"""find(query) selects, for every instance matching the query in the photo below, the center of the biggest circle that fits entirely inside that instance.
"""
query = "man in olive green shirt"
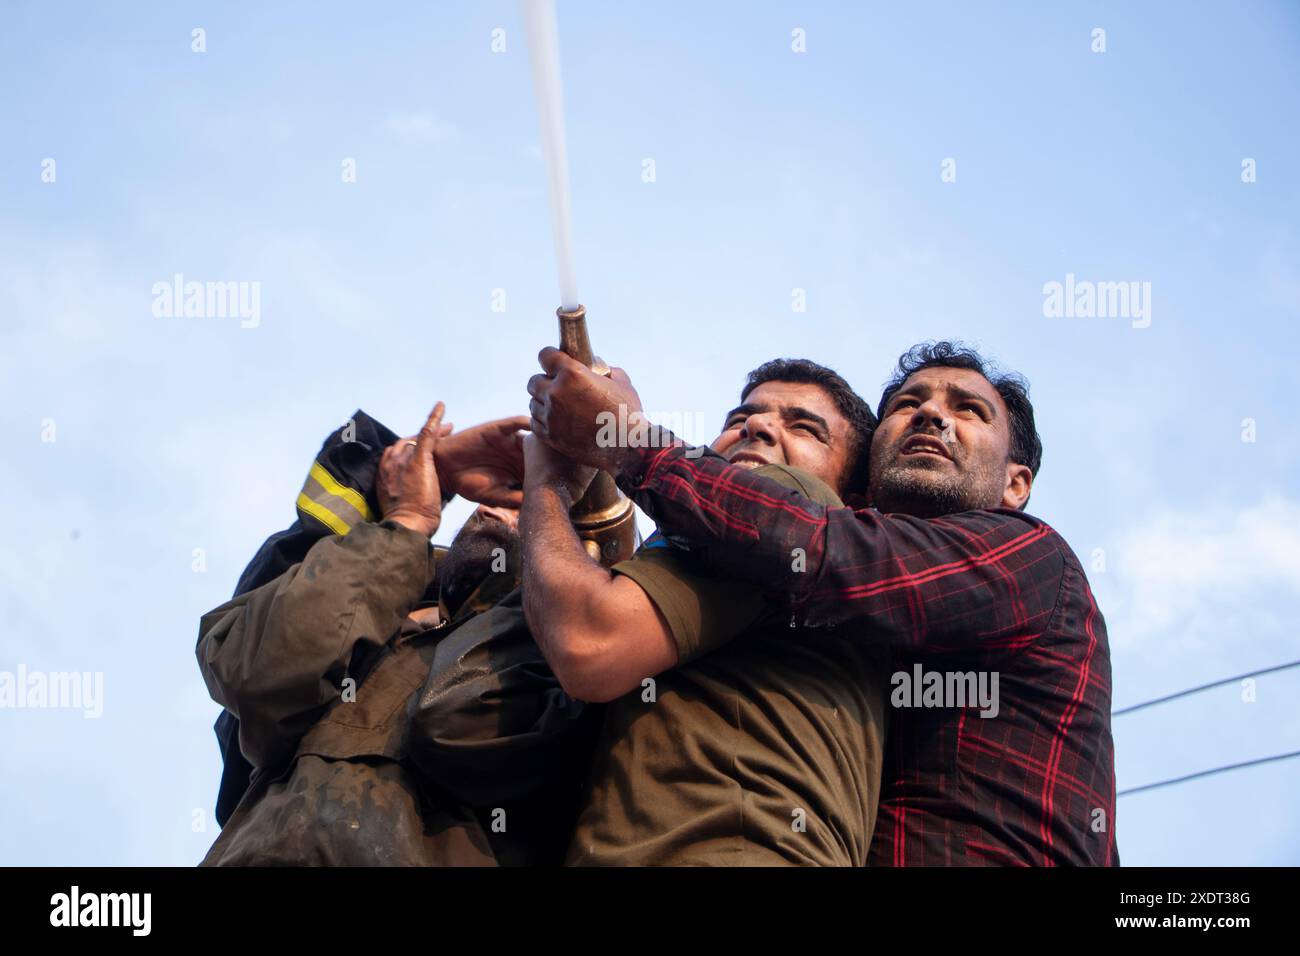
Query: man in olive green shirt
(725, 742)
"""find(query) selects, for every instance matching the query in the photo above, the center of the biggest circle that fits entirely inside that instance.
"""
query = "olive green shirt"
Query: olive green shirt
(761, 748)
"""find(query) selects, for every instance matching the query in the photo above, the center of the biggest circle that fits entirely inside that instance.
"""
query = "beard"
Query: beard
(470, 558)
(926, 487)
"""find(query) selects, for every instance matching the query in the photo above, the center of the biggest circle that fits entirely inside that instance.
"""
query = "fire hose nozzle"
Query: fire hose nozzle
(604, 519)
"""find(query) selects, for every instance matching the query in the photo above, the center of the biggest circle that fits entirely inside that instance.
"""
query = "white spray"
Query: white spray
(544, 55)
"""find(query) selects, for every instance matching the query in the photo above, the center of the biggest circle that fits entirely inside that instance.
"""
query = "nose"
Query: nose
(507, 516)
(929, 413)
(761, 426)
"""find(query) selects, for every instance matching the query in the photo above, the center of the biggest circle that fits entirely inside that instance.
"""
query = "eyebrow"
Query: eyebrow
(790, 413)
(921, 390)
(969, 396)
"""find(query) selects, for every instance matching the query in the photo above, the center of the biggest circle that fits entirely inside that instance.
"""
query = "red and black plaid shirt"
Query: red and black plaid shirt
(982, 591)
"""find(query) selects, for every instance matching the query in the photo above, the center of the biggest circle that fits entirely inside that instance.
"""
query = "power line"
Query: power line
(1194, 690)
(1206, 773)
(1213, 770)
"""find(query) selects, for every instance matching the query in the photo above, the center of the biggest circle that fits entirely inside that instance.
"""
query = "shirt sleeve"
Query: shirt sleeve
(705, 610)
(991, 577)
(277, 655)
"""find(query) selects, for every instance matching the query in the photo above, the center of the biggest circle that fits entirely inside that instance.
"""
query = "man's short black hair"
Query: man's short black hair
(848, 403)
(1026, 447)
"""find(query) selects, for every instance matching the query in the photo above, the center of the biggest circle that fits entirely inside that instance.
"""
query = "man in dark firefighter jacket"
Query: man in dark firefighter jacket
(373, 670)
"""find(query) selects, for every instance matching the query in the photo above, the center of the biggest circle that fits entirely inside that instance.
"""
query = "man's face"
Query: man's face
(469, 559)
(942, 447)
(789, 423)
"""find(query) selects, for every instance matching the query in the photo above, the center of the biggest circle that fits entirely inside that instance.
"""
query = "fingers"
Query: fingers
(539, 385)
(502, 497)
(432, 429)
(396, 453)
(514, 423)
(515, 450)
(391, 463)
(554, 361)
(538, 425)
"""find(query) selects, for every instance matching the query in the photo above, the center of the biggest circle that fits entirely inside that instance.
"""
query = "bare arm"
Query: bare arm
(600, 632)
(985, 576)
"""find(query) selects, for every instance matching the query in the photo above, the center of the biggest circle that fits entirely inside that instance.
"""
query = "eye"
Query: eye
(904, 403)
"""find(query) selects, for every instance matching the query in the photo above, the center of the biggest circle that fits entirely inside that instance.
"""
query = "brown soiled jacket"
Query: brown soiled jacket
(380, 741)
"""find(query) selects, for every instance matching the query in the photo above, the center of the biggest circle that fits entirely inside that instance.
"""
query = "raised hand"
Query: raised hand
(572, 407)
(485, 463)
(408, 488)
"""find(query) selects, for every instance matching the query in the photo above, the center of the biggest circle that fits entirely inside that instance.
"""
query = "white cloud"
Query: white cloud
(1193, 577)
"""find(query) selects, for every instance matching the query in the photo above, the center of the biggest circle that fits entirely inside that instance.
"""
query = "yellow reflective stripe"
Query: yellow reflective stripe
(322, 514)
(350, 495)
(337, 506)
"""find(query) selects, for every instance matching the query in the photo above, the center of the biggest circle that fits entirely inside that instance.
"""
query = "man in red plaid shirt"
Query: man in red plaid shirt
(945, 567)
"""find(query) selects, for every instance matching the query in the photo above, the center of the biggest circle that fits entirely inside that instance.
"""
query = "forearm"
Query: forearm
(746, 525)
(563, 588)
(976, 577)
(276, 655)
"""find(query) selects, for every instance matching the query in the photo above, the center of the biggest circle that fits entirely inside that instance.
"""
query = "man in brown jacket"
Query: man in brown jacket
(324, 664)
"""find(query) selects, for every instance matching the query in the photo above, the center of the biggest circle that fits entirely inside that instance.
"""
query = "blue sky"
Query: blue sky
(774, 171)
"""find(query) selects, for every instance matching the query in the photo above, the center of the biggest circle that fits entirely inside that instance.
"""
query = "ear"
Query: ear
(1019, 482)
